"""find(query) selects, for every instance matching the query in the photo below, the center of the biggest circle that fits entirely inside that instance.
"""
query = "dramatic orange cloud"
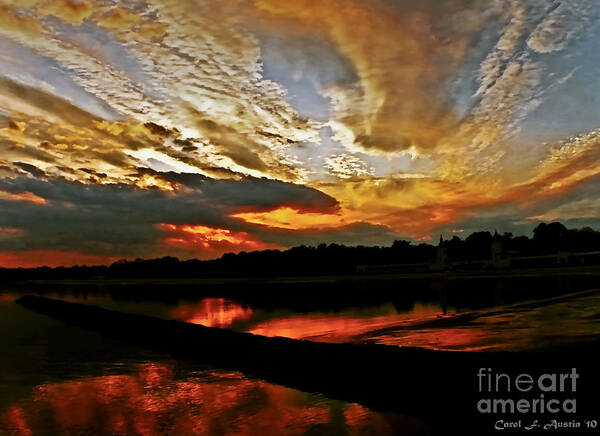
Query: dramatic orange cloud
(210, 241)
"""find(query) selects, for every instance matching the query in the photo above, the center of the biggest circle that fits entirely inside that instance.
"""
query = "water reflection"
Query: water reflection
(156, 400)
(212, 312)
(338, 326)
(342, 326)
(421, 324)
(457, 339)
(535, 325)
(518, 327)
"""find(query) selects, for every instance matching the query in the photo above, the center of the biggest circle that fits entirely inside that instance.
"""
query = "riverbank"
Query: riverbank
(434, 275)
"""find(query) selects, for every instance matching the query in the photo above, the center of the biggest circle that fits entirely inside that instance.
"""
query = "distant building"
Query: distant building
(441, 260)
(500, 258)
(562, 257)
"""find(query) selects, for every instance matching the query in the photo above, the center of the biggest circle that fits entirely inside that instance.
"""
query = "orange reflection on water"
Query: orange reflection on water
(154, 400)
(15, 420)
(213, 312)
(339, 327)
(526, 326)
(463, 339)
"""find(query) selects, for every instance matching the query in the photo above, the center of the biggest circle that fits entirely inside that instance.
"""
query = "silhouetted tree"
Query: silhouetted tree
(550, 238)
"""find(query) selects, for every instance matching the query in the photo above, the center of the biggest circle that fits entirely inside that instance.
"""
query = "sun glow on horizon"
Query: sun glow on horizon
(210, 239)
(51, 258)
(293, 219)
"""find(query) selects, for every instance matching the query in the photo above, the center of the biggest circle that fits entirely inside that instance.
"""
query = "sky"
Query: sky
(193, 128)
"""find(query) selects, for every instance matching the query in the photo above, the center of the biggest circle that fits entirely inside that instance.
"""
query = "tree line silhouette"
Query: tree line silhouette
(332, 259)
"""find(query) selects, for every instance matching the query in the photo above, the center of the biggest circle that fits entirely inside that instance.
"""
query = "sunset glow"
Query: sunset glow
(208, 239)
(288, 218)
(52, 258)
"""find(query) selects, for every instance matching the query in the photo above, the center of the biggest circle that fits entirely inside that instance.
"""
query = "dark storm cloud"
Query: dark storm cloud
(250, 192)
(122, 220)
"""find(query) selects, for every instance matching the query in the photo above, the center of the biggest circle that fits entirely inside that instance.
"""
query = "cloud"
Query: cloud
(24, 196)
(399, 101)
(17, 97)
(197, 73)
(347, 166)
(72, 12)
(121, 220)
(294, 219)
(587, 208)
(210, 241)
(576, 208)
(564, 22)
(55, 134)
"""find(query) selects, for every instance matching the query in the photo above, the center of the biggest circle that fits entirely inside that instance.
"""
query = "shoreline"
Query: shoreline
(355, 278)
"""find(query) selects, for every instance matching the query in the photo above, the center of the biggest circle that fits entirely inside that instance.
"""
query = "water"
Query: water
(57, 379)
(334, 326)
(157, 398)
(536, 325)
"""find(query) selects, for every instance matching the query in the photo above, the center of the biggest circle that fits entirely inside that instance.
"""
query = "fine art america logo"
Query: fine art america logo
(514, 395)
